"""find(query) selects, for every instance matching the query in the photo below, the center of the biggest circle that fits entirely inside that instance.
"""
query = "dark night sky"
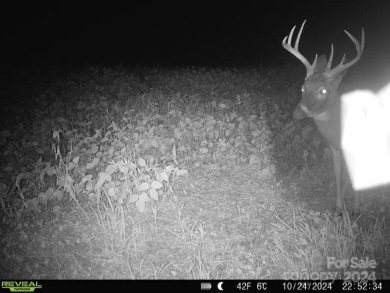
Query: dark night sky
(193, 32)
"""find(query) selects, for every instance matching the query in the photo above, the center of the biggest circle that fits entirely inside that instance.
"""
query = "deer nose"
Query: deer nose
(299, 113)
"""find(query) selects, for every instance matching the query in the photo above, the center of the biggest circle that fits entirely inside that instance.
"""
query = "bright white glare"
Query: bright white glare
(365, 138)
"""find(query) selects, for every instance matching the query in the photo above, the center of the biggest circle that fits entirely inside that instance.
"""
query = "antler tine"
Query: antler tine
(342, 66)
(330, 59)
(286, 43)
(290, 36)
(299, 35)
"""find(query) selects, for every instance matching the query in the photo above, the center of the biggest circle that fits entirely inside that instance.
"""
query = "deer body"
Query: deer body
(321, 101)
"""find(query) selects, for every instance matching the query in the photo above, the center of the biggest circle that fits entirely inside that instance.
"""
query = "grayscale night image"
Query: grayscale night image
(202, 141)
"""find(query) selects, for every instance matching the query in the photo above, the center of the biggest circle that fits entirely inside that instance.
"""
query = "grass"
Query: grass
(174, 173)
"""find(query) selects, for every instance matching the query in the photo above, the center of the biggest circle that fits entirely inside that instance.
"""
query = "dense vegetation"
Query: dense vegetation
(170, 173)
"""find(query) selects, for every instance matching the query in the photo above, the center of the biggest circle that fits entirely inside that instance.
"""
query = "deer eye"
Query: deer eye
(324, 91)
(303, 89)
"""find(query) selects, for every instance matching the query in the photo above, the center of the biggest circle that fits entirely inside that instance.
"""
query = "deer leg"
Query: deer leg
(336, 156)
(357, 201)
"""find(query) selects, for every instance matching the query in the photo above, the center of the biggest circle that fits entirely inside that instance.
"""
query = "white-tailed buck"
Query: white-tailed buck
(321, 101)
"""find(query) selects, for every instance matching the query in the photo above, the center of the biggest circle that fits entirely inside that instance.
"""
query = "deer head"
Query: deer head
(320, 99)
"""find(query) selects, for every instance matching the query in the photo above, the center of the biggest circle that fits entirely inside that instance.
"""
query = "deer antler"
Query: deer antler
(341, 66)
(286, 43)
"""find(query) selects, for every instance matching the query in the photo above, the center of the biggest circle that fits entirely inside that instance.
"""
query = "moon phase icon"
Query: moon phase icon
(220, 286)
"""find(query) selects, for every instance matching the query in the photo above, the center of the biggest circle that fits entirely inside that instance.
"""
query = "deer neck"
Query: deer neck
(328, 122)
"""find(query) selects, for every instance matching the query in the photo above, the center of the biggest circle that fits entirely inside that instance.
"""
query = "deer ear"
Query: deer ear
(335, 80)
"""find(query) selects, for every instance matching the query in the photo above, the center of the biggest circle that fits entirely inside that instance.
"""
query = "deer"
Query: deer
(321, 101)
